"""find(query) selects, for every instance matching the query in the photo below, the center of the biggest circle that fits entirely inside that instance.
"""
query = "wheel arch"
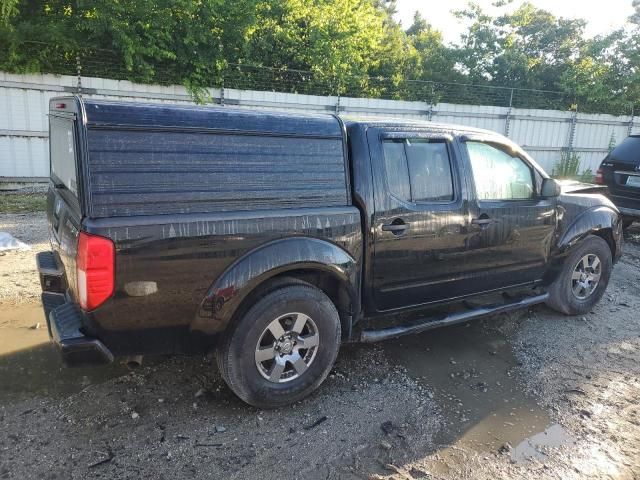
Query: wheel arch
(600, 221)
(312, 261)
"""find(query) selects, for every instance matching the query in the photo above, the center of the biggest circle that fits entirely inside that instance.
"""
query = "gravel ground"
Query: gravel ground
(19, 281)
(530, 394)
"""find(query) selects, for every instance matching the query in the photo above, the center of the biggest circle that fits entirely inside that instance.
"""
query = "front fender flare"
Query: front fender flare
(590, 221)
(300, 253)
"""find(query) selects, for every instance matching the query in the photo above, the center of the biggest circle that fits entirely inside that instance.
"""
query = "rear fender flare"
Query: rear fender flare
(229, 290)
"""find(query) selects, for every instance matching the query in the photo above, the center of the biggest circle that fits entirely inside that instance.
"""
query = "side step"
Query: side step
(51, 301)
(52, 278)
(370, 336)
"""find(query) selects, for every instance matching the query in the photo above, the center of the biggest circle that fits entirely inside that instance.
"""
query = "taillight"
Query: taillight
(95, 267)
(600, 177)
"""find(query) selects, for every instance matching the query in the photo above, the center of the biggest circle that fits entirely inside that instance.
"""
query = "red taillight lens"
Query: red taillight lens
(95, 267)
(600, 177)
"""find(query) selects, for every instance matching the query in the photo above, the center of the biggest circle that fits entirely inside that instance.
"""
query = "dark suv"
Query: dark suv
(273, 237)
(620, 172)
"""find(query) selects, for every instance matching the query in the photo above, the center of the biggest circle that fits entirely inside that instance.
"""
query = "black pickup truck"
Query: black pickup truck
(273, 237)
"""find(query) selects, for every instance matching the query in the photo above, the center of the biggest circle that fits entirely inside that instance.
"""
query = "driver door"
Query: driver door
(512, 226)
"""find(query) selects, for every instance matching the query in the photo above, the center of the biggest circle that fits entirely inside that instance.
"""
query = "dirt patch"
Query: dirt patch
(177, 419)
(19, 281)
(534, 394)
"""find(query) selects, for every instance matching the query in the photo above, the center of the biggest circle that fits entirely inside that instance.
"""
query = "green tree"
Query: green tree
(342, 42)
(528, 48)
(346, 47)
(598, 77)
(144, 40)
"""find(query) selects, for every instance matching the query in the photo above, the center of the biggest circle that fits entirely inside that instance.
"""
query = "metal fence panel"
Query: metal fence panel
(543, 133)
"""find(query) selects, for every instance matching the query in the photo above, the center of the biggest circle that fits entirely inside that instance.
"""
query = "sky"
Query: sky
(601, 16)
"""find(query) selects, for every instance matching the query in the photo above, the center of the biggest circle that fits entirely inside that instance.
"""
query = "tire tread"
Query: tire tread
(229, 365)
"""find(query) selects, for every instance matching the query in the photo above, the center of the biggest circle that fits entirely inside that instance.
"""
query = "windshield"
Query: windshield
(62, 151)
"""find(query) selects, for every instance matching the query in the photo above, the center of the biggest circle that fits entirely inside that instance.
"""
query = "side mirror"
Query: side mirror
(550, 188)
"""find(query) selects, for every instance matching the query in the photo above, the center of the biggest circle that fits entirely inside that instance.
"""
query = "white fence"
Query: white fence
(543, 133)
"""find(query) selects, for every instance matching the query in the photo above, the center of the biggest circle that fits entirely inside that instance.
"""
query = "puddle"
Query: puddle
(30, 364)
(472, 373)
(535, 446)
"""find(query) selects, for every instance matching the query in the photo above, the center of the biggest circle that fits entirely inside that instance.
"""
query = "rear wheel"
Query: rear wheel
(283, 348)
(583, 279)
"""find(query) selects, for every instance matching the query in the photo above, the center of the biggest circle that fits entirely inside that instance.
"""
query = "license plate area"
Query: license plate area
(633, 181)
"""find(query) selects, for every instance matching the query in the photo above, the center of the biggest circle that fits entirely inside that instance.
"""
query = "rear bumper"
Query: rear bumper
(65, 320)
(628, 206)
(629, 212)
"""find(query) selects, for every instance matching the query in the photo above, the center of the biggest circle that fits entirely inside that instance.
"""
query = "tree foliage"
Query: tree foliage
(346, 47)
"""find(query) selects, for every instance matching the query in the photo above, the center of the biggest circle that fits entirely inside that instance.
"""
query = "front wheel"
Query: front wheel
(583, 279)
(283, 348)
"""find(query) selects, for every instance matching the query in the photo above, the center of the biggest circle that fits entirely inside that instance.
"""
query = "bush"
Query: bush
(568, 166)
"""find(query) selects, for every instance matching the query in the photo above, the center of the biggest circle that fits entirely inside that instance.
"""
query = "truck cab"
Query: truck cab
(275, 237)
(455, 213)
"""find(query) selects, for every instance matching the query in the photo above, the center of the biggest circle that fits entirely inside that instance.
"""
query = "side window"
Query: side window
(395, 164)
(498, 175)
(419, 170)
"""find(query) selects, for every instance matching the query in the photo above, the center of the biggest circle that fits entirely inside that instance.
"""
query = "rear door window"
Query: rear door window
(419, 170)
(395, 161)
(62, 151)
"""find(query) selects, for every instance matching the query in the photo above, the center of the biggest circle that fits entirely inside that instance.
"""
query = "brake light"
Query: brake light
(600, 177)
(95, 268)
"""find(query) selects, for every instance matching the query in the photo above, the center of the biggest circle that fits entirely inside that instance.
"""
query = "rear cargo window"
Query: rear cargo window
(62, 153)
(627, 152)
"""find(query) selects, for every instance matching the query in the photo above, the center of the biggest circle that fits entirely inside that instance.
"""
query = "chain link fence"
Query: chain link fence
(108, 64)
(558, 129)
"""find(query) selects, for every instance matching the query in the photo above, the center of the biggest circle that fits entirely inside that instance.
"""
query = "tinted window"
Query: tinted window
(395, 163)
(429, 171)
(419, 170)
(62, 152)
(498, 175)
(627, 152)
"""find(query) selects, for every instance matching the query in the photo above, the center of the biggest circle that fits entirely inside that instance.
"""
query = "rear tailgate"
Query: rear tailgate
(625, 179)
(64, 212)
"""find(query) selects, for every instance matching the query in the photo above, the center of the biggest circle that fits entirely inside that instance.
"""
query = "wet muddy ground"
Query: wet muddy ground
(532, 394)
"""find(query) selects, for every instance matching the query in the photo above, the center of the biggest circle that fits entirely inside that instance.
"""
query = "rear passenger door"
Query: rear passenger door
(512, 227)
(421, 218)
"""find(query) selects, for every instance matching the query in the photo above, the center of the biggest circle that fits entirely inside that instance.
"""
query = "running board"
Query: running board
(370, 336)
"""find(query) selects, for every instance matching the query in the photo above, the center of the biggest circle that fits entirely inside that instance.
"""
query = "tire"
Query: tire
(568, 295)
(290, 306)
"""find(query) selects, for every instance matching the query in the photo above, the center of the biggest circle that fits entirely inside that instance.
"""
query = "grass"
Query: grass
(22, 202)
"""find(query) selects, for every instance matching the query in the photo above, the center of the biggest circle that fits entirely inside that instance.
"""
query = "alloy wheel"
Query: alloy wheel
(586, 276)
(287, 347)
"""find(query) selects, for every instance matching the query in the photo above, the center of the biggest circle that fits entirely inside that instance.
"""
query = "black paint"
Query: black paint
(210, 203)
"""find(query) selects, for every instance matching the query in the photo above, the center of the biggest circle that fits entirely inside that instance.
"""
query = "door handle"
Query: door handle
(483, 221)
(395, 228)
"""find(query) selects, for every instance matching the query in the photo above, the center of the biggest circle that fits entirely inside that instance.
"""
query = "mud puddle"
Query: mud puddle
(472, 372)
(30, 364)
